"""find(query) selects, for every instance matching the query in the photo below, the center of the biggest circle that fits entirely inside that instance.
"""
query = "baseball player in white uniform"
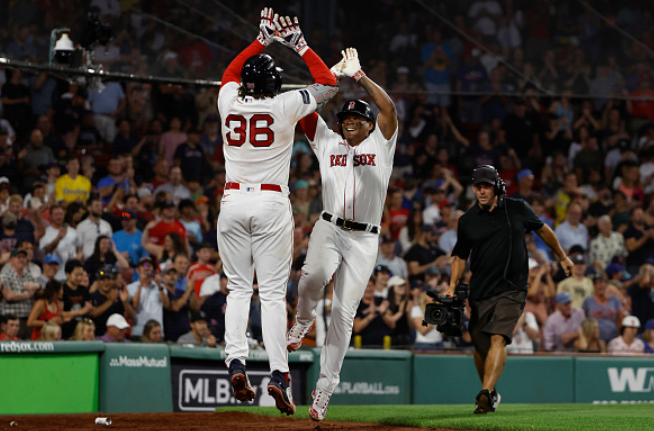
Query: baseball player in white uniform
(355, 167)
(255, 226)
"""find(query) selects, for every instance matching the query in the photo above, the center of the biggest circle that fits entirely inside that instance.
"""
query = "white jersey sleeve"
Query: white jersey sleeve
(296, 105)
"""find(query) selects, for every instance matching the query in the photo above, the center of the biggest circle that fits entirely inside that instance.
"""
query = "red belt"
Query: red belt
(268, 187)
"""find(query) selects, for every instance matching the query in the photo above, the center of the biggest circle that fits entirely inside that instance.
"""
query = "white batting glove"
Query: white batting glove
(266, 27)
(337, 69)
(351, 65)
(290, 34)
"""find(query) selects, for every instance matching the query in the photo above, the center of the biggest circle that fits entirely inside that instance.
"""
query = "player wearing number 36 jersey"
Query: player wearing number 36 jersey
(355, 167)
(255, 226)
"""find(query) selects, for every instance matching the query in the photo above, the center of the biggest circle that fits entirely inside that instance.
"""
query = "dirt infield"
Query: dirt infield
(232, 421)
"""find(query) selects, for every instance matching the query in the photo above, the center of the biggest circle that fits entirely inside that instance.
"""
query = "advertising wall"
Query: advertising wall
(370, 377)
(46, 377)
(135, 378)
(200, 381)
(452, 379)
(76, 377)
(614, 380)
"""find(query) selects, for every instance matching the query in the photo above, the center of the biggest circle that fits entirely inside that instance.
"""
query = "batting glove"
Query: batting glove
(351, 65)
(337, 69)
(266, 27)
(290, 34)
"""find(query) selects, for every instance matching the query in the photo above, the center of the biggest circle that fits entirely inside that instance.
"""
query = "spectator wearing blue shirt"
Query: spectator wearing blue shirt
(117, 178)
(125, 140)
(470, 77)
(572, 231)
(190, 156)
(211, 139)
(180, 292)
(128, 240)
(604, 307)
(42, 89)
(436, 58)
(22, 45)
(106, 106)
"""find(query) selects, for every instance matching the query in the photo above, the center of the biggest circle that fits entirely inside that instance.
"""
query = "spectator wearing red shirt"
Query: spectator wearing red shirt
(168, 224)
(643, 104)
(202, 268)
(10, 325)
(396, 216)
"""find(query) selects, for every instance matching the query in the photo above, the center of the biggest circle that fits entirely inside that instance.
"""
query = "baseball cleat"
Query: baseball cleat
(295, 336)
(279, 388)
(318, 408)
(484, 402)
(240, 383)
(496, 400)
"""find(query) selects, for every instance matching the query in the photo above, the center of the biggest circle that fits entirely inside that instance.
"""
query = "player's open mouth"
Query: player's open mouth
(350, 130)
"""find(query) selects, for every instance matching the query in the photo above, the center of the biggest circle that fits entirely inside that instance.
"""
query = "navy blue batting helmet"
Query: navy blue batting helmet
(356, 107)
(259, 75)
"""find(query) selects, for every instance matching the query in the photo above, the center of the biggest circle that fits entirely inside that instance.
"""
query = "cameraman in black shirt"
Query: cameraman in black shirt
(492, 232)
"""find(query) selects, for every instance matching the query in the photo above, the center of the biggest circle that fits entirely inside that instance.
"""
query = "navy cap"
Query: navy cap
(128, 215)
(380, 268)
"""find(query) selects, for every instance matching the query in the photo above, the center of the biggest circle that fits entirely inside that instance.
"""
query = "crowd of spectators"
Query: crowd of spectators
(109, 199)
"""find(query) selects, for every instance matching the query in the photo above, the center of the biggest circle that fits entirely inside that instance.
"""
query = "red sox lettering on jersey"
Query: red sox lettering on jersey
(359, 160)
(355, 179)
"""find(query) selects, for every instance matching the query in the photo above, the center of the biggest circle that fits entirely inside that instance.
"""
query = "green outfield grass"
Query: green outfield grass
(575, 417)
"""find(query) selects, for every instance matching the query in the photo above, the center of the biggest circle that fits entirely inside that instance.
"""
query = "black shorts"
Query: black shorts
(496, 315)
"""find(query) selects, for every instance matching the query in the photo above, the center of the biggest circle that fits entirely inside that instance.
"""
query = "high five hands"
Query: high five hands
(284, 30)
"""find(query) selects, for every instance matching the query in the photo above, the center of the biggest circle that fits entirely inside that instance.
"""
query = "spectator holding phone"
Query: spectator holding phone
(111, 297)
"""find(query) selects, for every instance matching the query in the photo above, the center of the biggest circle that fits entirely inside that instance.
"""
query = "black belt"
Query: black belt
(348, 224)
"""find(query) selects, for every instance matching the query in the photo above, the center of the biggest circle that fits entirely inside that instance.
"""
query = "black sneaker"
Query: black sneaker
(279, 388)
(496, 397)
(484, 402)
(240, 383)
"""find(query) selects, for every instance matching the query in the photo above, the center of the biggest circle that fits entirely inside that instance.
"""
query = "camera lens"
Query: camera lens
(437, 315)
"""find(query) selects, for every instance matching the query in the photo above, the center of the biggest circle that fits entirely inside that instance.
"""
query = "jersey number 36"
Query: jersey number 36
(260, 135)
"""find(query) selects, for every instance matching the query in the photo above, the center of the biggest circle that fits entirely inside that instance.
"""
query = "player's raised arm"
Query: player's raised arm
(292, 37)
(265, 38)
(387, 120)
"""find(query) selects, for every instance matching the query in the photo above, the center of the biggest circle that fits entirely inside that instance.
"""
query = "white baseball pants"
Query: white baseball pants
(350, 256)
(255, 232)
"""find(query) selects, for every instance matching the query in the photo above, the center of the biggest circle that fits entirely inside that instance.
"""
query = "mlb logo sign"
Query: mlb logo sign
(249, 189)
(351, 105)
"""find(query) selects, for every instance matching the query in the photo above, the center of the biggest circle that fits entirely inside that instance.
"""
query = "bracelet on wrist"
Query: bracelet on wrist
(358, 75)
